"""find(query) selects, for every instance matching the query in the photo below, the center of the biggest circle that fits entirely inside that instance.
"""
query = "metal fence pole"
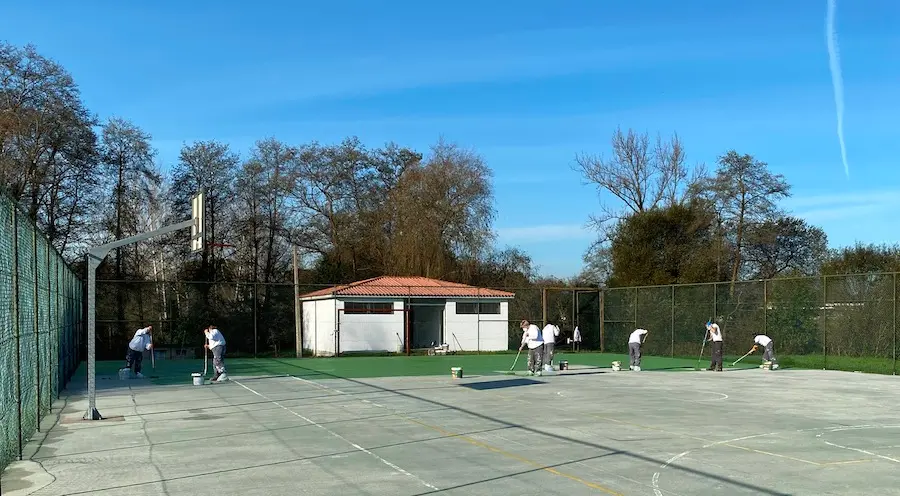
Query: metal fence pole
(894, 363)
(298, 321)
(766, 307)
(50, 326)
(37, 333)
(672, 345)
(15, 305)
(600, 299)
(255, 319)
(824, 321)
(715, 287)
(636, 291)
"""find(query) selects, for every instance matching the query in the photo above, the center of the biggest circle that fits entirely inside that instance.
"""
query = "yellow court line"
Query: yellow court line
(515, 457)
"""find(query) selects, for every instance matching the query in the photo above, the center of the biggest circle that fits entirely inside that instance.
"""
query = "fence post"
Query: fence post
(37, 333)
(636, 291)
(672, 328)
(255, 318)
(298, 319)
(50, 326)
(766, 307)
(15, 305)
(574, 308)
(601, 298)
(715, 301)
(544, 306)
(824, 320)
(894, 364)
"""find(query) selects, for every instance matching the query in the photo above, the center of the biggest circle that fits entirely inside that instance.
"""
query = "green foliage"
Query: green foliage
(863, 258)
(663, 246)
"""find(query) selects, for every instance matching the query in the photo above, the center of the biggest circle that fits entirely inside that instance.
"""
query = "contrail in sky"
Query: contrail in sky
(837, 80)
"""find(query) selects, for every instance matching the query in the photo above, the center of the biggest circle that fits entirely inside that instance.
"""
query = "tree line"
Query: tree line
(356, 212)
(677, 224)
(353, 211)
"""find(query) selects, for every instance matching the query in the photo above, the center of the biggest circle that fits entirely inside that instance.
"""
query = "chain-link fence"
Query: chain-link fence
(845, 322)
(841, 322)
(258, 319)
(40, 328)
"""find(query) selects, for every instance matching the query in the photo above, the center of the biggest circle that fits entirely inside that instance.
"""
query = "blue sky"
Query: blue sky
(527, 84)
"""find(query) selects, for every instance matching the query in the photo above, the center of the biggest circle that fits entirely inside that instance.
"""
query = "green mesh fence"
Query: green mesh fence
(40, 317)
(842, 322)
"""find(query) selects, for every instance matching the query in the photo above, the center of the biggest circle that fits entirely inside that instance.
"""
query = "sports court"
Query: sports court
(330, 426)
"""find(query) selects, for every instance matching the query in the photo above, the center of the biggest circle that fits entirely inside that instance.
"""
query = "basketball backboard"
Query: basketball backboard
(198, 233)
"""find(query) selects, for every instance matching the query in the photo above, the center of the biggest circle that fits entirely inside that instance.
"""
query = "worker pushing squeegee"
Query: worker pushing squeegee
(769, 360)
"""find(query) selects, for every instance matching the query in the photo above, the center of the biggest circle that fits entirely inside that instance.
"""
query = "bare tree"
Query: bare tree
(48, 149)
(744, 193)
(641, 177)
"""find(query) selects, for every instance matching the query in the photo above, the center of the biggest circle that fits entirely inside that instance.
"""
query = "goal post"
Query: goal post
(95, 256)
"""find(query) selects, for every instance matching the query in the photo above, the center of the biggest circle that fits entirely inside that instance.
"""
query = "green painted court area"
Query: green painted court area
(179, 371)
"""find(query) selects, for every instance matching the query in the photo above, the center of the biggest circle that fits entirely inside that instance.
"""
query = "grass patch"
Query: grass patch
(179, 371)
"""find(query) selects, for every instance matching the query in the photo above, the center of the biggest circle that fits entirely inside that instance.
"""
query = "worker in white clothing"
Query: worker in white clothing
(715, 335)
(533, 338)
(634, 348)
(549, 333)
(141, 341)
(769, 347)
(216, 342)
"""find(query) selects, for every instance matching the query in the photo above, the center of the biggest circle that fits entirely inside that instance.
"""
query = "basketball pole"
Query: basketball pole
(94, 257)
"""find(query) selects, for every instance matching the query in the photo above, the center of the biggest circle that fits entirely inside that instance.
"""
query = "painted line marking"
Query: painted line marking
(863, 452)
(514, 456)
(335, 434)
(499, 451)
(655, 480)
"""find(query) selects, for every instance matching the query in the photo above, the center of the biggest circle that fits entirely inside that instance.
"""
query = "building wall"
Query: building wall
(387, 332)
(484, 332)
(373, 331)
(319, 323)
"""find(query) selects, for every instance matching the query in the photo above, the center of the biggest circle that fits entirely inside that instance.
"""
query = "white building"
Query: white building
(388, 313)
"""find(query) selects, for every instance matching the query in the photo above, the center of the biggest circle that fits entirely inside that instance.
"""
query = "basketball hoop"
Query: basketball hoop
(222, 247)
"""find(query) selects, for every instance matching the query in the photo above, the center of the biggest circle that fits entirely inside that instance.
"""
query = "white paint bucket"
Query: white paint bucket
(198, 378)
(456, 372)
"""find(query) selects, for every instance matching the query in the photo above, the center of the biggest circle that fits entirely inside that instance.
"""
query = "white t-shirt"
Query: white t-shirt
(762, 340)
(141, 340)
(636, 336)
(215, 338)
(532, 337)
(549, 333)
(577, 335)
(715, 333)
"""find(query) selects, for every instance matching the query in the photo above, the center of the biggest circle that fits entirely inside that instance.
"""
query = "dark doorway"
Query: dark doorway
(426, 324)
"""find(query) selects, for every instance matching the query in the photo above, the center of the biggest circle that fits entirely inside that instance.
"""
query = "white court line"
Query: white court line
(859, 427)
(655, 480)
(335, 434)
(862, 451)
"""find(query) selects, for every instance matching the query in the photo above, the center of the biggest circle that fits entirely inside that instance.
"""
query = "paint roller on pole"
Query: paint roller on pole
(703, 346)
(741, 358)
(96, 254)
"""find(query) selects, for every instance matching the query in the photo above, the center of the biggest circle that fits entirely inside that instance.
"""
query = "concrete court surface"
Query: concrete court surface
(584, 431)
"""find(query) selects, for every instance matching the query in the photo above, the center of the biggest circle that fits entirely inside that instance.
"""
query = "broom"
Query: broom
(510, 371)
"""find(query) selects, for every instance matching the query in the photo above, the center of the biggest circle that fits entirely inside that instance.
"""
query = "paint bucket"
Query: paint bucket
(198, 378)
(563, 365)
(124, 374)
(456, 372)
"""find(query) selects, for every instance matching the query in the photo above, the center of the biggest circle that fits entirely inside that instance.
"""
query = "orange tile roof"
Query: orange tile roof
(392, 286)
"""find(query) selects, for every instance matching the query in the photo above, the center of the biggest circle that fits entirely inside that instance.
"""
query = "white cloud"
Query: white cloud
(545, 233)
